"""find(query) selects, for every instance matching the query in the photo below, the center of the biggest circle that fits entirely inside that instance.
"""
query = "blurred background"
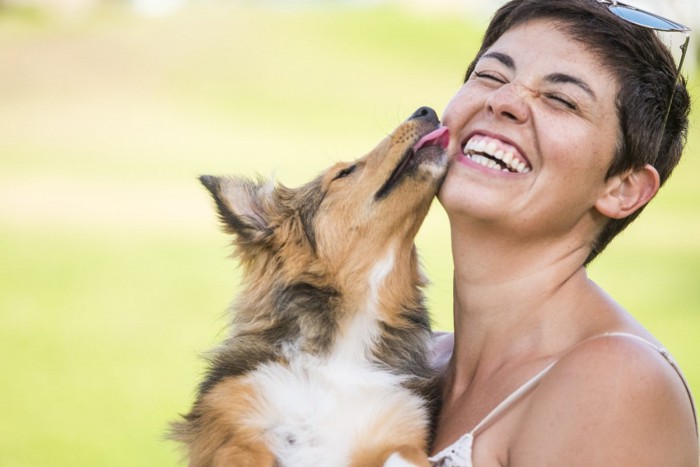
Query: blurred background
(114, 277)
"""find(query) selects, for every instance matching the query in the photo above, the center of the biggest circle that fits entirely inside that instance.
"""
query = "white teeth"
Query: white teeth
(489, 146)
(481, 160)
(486, 162)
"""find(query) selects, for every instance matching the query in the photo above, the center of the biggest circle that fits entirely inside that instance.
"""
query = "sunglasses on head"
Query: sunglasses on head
(650, 20)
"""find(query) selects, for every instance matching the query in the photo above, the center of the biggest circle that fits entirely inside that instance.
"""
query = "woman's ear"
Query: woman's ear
(628, 192)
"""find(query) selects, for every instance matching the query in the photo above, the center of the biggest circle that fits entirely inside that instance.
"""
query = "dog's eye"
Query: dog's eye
(345, 172)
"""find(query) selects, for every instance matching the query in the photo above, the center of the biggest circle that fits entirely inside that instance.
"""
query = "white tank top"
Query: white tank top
(459, 453)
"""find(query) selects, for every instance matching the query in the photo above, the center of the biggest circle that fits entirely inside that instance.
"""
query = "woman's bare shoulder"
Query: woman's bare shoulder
(613, 400)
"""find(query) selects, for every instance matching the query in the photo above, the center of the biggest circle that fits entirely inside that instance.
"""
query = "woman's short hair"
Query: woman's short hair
(645, 71)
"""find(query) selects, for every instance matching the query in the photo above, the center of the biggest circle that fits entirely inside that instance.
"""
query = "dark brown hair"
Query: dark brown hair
(646, 73)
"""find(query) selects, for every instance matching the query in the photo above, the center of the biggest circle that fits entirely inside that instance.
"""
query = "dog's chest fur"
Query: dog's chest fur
(315, 406)
(314, 411)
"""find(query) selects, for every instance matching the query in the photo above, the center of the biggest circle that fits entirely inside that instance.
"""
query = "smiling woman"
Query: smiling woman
(550, 123)
(554, 153)
(113, 275)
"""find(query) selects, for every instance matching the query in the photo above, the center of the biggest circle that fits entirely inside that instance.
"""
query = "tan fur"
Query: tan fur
(378, 457)
(330, 273)
(393, 432)
(226, 440)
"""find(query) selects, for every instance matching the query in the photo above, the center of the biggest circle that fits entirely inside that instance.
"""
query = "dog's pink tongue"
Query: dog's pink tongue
(439, 137)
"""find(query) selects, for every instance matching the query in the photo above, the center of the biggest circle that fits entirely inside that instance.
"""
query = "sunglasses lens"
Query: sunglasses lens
(647, 20)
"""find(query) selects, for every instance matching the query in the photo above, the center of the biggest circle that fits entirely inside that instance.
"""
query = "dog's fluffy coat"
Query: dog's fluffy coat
(327, 363)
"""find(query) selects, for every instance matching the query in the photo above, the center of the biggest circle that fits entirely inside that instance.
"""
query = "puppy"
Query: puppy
(327, 363)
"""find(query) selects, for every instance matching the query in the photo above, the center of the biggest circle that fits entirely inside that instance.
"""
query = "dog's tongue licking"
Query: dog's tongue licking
(439, 137)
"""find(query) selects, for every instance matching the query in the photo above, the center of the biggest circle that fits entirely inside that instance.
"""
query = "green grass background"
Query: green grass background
(113, 274)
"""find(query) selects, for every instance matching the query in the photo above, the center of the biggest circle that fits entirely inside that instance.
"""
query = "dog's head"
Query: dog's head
(348, 218)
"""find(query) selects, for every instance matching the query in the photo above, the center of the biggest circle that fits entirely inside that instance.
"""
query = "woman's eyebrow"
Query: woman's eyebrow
(555, 78)
(561, 78)
(506, 60)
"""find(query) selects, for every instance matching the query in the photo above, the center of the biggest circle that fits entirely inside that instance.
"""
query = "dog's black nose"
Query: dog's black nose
(426, 113)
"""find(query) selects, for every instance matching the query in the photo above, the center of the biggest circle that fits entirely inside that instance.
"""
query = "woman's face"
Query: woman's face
(533, 132)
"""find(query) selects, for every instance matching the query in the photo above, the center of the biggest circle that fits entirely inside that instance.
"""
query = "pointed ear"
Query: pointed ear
(243, 206)
(628, 192)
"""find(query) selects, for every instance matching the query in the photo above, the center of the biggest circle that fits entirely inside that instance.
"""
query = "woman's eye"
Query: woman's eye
(345, 172)
(561, 100)
(489, 76)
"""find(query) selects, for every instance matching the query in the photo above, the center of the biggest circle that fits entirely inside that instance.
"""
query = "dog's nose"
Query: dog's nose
(426, 113)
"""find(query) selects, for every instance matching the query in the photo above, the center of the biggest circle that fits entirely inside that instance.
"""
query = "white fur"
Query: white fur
(268, 188)
(316, 411)
(395, 460)
(362, 330)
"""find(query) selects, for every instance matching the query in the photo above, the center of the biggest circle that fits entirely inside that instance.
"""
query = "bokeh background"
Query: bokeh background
(114, 277)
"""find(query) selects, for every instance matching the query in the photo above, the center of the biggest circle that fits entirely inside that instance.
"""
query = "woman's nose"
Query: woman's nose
(510, 101)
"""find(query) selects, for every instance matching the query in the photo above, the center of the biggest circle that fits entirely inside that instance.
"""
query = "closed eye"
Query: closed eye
(345, 172)
(489, 76)
(567, 103)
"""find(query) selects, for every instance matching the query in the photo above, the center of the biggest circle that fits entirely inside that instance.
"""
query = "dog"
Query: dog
(328, 362)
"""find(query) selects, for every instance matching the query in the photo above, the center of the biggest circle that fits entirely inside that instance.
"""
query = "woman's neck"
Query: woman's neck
(515, 298)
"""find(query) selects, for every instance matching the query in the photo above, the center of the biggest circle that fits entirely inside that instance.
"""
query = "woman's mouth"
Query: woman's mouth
(495, 154)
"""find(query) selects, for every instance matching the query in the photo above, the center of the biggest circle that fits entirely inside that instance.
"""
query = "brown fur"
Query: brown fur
(312, 263)
(379, 441)
(231, 399)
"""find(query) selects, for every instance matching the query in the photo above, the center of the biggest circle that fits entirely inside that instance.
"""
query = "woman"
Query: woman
(560, 137)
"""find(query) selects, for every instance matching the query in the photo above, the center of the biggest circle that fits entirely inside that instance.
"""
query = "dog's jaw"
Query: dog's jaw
(429, 147)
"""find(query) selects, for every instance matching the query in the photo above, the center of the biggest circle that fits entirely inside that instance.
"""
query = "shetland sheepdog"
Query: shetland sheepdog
(327, 363)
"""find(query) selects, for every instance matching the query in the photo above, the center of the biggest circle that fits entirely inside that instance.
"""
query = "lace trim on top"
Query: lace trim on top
(458, 454)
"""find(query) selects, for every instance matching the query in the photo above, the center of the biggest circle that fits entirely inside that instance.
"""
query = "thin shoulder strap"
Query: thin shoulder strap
(532, 382)
(669, 358)
(510, 400)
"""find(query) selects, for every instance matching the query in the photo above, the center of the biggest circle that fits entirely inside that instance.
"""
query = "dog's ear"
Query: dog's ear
(243, 206)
